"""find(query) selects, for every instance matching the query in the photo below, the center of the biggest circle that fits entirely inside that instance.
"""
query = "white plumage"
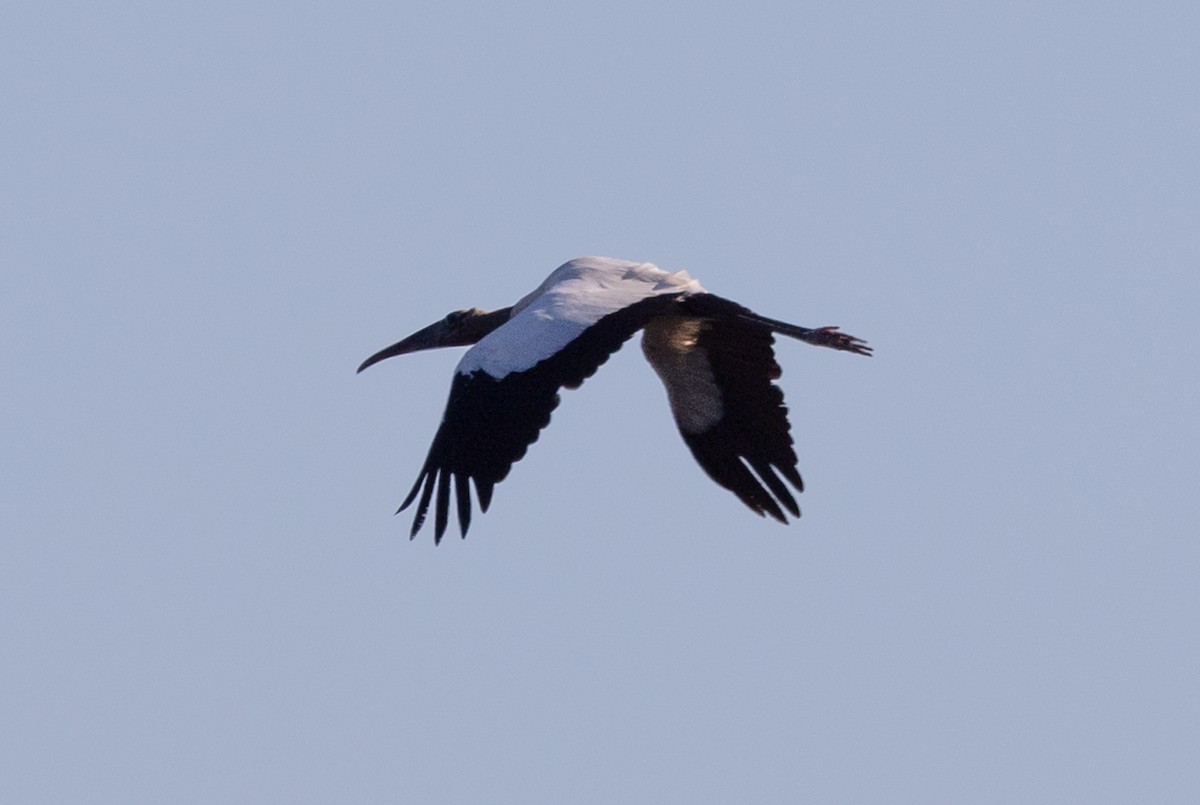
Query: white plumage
(574, 297)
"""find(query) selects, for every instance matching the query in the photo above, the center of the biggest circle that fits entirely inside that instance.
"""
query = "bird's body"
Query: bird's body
(714, 357)
(573, 298)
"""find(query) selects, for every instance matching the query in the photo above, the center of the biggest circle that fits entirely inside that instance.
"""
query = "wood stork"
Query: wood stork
(713, 355)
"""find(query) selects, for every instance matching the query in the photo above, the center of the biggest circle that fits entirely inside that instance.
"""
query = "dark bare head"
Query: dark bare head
(459, 329)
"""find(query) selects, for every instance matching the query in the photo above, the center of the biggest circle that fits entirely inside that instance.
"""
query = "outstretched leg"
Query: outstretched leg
(830, 337)
(834, 338)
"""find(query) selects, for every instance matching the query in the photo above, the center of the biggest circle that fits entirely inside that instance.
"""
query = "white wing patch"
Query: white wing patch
(574, 297)
(669, 344)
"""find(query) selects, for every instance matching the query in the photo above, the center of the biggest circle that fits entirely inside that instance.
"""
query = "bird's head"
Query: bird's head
(459, 329)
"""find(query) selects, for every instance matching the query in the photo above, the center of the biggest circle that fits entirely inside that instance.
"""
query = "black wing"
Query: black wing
(752, 432)
(489, 424)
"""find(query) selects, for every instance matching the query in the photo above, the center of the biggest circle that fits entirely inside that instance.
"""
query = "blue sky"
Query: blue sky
(211, 215)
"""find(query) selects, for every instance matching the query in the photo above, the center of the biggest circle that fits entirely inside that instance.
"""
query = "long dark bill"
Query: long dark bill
(427, 338)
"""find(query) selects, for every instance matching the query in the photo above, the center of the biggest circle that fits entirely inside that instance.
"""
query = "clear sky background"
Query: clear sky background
(211, 213)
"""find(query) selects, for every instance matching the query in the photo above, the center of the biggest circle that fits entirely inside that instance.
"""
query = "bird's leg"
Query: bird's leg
(830, 337)
(834, 338)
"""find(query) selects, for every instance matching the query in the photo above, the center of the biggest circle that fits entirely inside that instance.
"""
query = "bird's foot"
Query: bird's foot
(834, 338)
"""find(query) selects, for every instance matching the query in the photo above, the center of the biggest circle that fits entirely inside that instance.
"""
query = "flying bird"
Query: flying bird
(713, 355)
